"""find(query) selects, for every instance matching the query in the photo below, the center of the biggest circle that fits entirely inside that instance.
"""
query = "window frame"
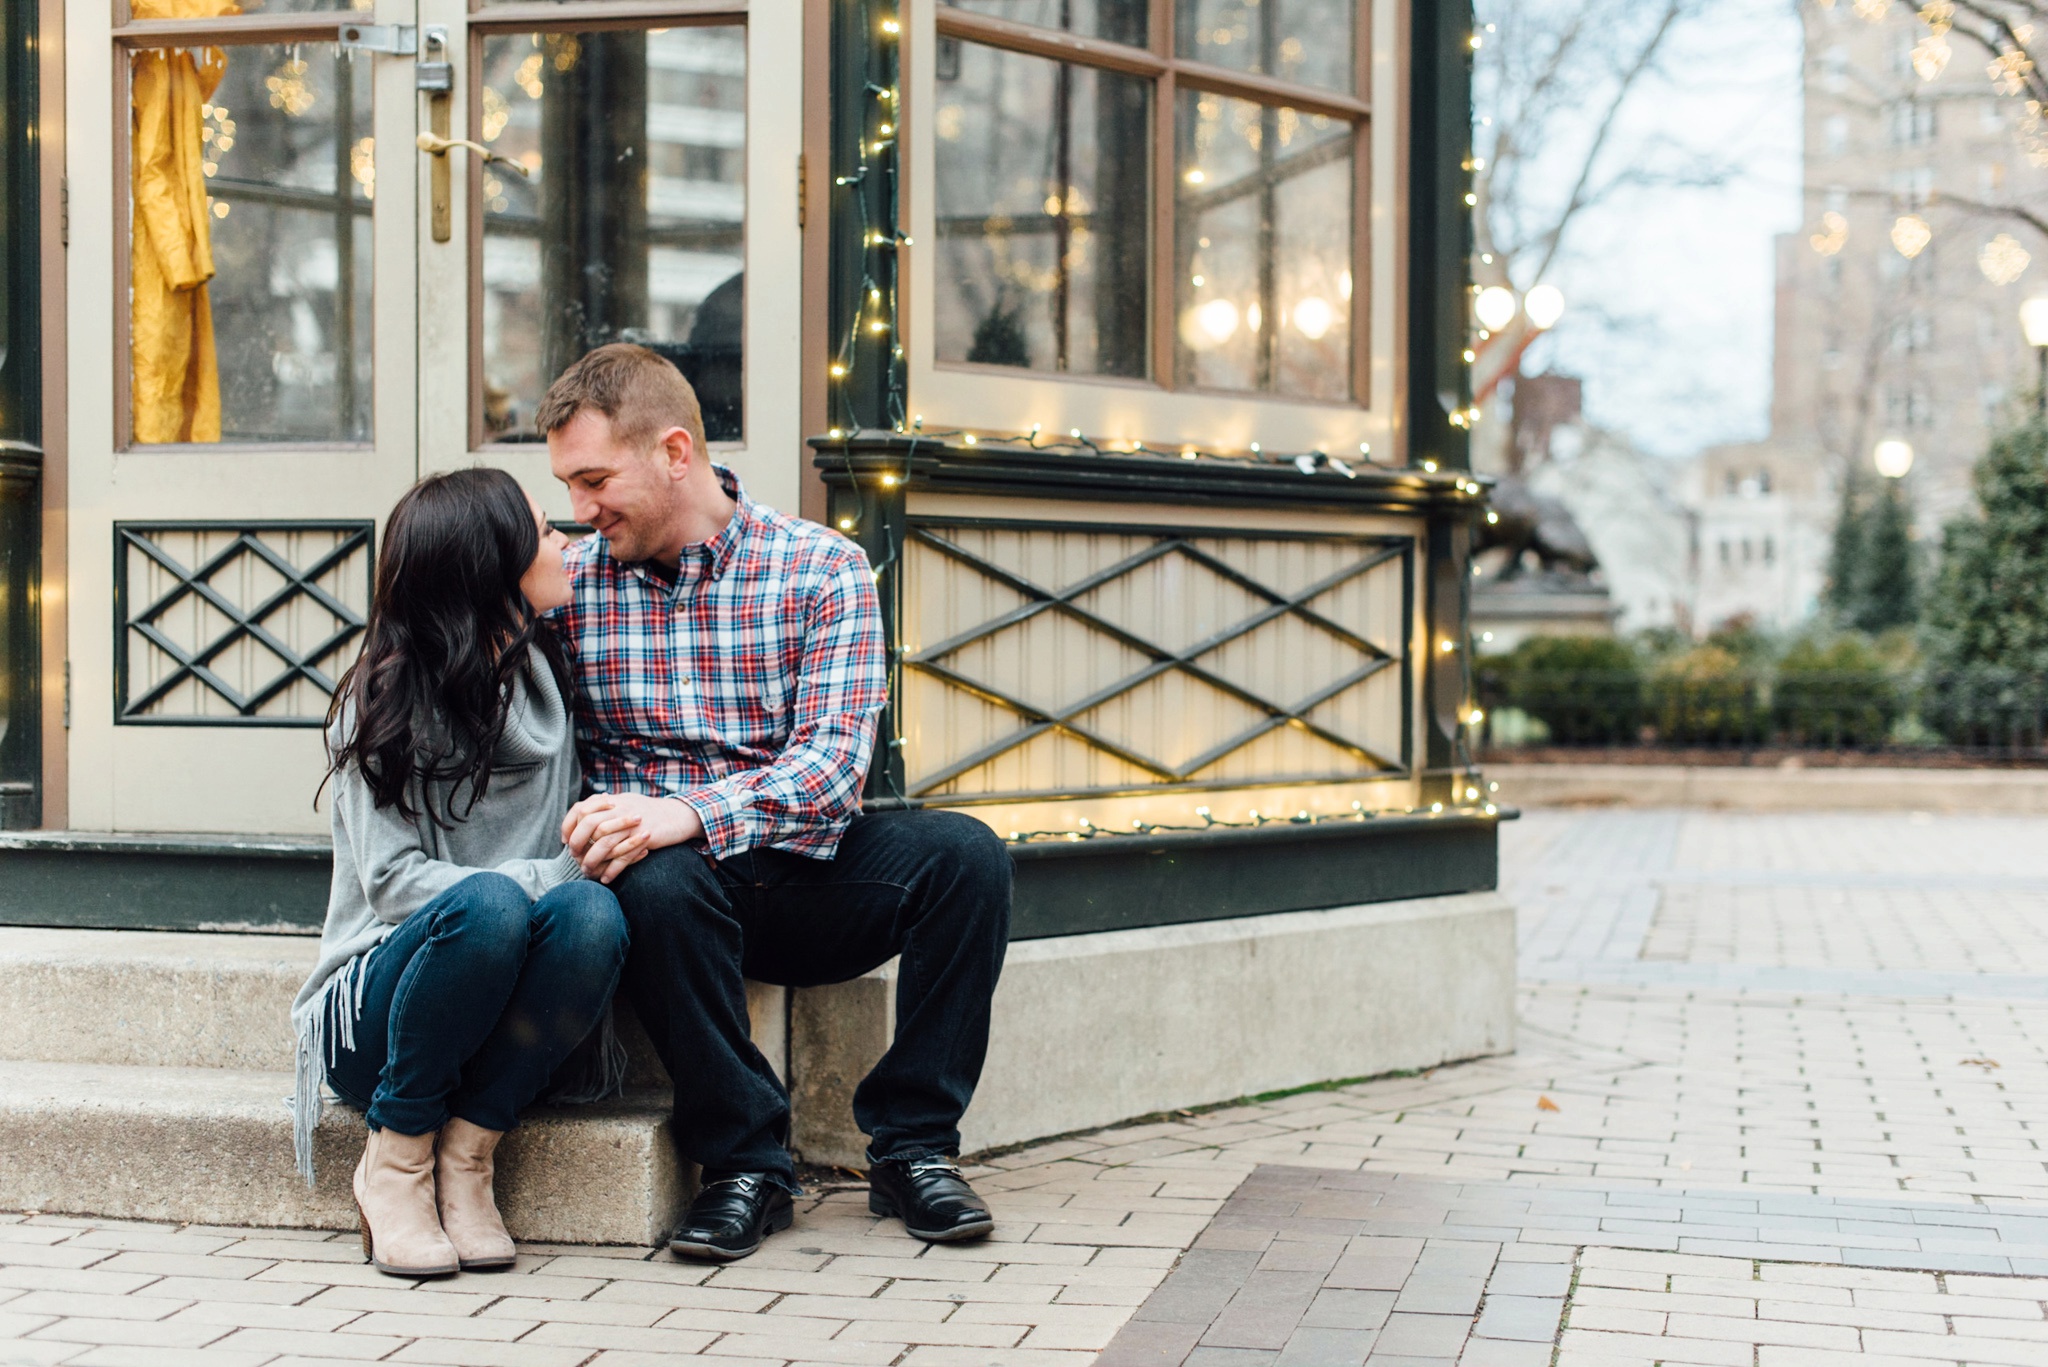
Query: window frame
(1170, 74)
(488, 21)
(131, 35)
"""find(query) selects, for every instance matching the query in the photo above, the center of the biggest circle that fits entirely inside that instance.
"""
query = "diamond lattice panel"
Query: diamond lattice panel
(226, 623)
(1064, 659)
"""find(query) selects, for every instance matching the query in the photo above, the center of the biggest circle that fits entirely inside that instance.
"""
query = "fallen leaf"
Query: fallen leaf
(1544, 1103)
(1980, 1063)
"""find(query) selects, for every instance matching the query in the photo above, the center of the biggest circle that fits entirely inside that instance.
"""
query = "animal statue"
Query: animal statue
(1529, 521)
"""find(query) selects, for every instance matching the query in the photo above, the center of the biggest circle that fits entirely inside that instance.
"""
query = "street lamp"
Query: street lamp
(1545, 305)
(1893, 457)
(2034, 323)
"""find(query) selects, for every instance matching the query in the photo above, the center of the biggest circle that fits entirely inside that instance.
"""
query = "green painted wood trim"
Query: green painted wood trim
(279, 884)
(1125, 882)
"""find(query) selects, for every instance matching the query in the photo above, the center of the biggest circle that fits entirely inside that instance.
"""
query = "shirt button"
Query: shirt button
(686, 681)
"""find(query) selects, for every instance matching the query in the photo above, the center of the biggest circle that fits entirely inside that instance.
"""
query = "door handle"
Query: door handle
(435, 146)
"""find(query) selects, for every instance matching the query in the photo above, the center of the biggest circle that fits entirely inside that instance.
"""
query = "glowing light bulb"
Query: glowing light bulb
(1494, 308)
(1313, 318)
(1544, 304)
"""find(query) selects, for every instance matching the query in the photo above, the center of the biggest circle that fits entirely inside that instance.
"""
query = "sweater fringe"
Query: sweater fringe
(328, 1023)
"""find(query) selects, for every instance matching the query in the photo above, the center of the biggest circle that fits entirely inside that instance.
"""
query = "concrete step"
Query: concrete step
(213, 1145)
(144, 1075)
(175, 999)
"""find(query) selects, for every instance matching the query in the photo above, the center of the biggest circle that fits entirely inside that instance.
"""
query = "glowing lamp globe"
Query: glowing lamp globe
(1545, 305)
(2034, 320)
(1892, 457)
(1495, 308)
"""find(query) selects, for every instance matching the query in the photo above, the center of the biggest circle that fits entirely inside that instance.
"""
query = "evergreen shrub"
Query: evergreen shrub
(1585, 690)
(1835, 694)
(1705, 696)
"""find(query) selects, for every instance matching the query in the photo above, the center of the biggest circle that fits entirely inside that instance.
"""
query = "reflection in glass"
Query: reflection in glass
(1307, 41)
(208, 9)
(1116, 21)
(1262, 236)
(1043, 215)
(249, 295)
(630, 223)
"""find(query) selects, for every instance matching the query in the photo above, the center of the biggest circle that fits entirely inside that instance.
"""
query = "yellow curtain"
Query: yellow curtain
(176, 391)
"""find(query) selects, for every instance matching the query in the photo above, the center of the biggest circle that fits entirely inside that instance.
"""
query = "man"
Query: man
(730, 666)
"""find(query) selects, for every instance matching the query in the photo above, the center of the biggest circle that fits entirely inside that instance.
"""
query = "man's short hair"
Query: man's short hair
(639, 391)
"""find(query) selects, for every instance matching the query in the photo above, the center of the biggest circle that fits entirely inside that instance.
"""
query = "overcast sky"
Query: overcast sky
(1669, 291)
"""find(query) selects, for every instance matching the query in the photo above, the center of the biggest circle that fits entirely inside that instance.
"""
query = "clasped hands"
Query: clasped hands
(608, 833)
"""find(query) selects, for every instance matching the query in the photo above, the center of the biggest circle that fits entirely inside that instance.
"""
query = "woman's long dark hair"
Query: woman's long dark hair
(426, 701)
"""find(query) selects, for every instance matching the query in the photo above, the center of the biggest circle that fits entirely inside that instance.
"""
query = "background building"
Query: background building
(1899, 301)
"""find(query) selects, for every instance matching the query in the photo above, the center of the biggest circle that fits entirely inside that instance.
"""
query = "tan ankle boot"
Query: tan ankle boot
(469, 1208)
(395, 1199)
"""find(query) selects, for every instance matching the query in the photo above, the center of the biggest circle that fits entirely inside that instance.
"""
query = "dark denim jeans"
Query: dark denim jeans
(933, 887)
(472, 1002)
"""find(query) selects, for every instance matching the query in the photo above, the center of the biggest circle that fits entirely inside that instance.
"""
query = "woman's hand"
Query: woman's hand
(610, 832)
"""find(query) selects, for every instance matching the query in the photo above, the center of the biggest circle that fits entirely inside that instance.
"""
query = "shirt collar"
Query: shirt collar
(709, 559)
(720, 549)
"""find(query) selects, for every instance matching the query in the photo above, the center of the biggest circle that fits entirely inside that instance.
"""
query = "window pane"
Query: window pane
(1263, 248)
(1117, 21)
(630, 222)
(1309, 41)
(251, 176)
(209, 9)
(1043, 208)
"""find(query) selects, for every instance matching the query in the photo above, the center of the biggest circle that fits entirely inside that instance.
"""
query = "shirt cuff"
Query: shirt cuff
(722, 813)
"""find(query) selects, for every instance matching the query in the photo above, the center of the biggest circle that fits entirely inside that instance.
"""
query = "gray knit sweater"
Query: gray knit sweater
(387, 866)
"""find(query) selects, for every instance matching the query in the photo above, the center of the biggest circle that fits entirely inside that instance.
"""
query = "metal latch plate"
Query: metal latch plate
(399, 40)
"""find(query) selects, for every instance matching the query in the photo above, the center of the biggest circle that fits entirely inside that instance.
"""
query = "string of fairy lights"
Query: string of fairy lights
(1084, 829)
(874, 177)
(875, 185)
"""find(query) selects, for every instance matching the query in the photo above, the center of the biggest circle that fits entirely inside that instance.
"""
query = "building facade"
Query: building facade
(1899, 299)
(1126, 338)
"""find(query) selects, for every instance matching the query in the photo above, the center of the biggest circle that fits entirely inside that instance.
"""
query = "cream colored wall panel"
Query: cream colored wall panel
(932, 507)
(1283, 751)
(1048, 762)
(1160, 722)
(1172, 601)
(1286, 660)
(217, 779)
(1050, 661)
(1172, 719)
(944, 597)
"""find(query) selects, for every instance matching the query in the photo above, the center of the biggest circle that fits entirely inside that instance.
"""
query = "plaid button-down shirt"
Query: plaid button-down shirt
(748, 687)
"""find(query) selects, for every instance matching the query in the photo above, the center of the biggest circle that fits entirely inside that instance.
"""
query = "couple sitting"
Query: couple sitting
(718, 668)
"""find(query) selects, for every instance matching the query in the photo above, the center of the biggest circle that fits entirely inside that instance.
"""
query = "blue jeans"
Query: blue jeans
(471, 1003)
(933, 887)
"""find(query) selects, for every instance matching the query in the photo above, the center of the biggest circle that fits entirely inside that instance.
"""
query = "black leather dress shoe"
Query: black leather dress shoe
(931, 1198)
(731, 1216)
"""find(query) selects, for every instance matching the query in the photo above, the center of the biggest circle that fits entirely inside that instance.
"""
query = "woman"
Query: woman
(464, 955)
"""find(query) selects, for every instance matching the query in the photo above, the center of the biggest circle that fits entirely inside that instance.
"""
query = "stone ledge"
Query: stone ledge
(1736, 787)
(1093, 1029)
(213, 1145)
(194, 999)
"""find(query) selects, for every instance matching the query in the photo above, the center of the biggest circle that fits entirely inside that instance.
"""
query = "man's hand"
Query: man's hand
(610, 832)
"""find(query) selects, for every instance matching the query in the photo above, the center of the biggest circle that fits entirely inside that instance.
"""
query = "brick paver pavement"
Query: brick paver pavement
(1779, 1100)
